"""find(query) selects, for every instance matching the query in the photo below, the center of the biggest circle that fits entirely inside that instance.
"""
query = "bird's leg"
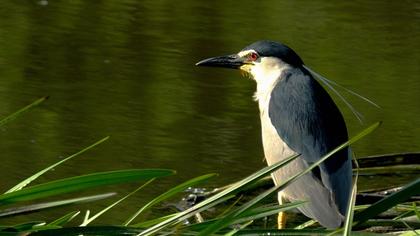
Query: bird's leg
(281, 218)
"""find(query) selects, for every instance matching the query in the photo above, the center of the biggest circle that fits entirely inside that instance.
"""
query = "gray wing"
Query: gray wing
(309, 122)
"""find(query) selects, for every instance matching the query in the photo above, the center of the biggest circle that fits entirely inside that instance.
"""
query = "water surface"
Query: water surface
(126, 69)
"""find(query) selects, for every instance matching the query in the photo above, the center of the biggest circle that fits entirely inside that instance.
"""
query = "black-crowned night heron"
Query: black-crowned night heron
(297, 116)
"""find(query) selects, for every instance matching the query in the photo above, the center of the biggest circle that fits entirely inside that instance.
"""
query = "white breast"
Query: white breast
(267, 73)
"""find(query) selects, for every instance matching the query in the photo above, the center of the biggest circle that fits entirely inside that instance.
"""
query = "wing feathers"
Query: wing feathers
(307, 120)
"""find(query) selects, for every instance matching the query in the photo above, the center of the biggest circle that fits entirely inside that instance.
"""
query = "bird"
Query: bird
(298, 116)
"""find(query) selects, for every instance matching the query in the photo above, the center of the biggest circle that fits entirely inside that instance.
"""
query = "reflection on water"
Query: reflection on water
(126, 69)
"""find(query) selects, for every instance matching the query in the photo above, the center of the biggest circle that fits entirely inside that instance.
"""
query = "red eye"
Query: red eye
(253, 56)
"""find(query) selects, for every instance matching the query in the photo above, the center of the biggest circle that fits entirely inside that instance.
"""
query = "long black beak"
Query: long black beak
(229, 61)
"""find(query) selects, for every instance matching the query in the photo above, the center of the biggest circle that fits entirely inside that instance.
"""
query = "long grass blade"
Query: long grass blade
(231, 217)
(82, 182)
(13, 116)
(149, 223)
(39, 173)
(306, 224)
(416, 211)
(227, 220)
(390, 169)
(403, 215)
(170, 193)
(205, 207)
(411, 233)
(89, 230)
(251, 179)
(350, 209)
(90, 219)
(386, 203)
(48, 205)
(64, 219)
(250, 214)
(348, 224)
(212, 200)
(230, 207)
(388, 223)
(87, 214)
(261, 212)
(297, 232)
(243, 226)
(28, 225)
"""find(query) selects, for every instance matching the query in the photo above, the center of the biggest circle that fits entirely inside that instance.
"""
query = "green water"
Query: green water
(126, 69)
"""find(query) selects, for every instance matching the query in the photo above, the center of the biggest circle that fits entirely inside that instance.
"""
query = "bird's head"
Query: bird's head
(261, 60)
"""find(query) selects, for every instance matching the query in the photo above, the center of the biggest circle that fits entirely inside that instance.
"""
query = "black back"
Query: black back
(307, 119)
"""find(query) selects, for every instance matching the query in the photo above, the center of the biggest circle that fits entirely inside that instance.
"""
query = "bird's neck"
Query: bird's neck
(266, 81)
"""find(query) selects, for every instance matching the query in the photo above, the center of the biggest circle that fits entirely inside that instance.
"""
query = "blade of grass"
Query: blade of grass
(14, 229)
(181, 228)
(28, 225)
(250, 179)
(13, 116)
(231, 217)
(306, 224)
(243, 226)
(264, 211)
(90, 219)
(230, 207)
(386, 203)
(250, 214)
(64, 219)
(35, 176)
(150, 223)
(89, 230)
(145, 224)
(387, 223)
(87, 214)
(170, 193)
(409, 227)
(404, 215)
(82, 182)
(350, 209)
(228, 219)
(416, 211)
(390, 169)
(47, 205)
(297, 232)
(229, 191)
(411, 233)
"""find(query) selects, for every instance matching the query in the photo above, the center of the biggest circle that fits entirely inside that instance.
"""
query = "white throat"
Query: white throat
(266, 73)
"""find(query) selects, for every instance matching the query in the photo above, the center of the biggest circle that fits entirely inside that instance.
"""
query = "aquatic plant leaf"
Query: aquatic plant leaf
(170, 193)
(81, 183)
(411, 189)
(13, 116)
(39, 173)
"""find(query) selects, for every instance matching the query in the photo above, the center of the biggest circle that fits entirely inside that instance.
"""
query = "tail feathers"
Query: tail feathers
(325, 215)
(320, 205)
